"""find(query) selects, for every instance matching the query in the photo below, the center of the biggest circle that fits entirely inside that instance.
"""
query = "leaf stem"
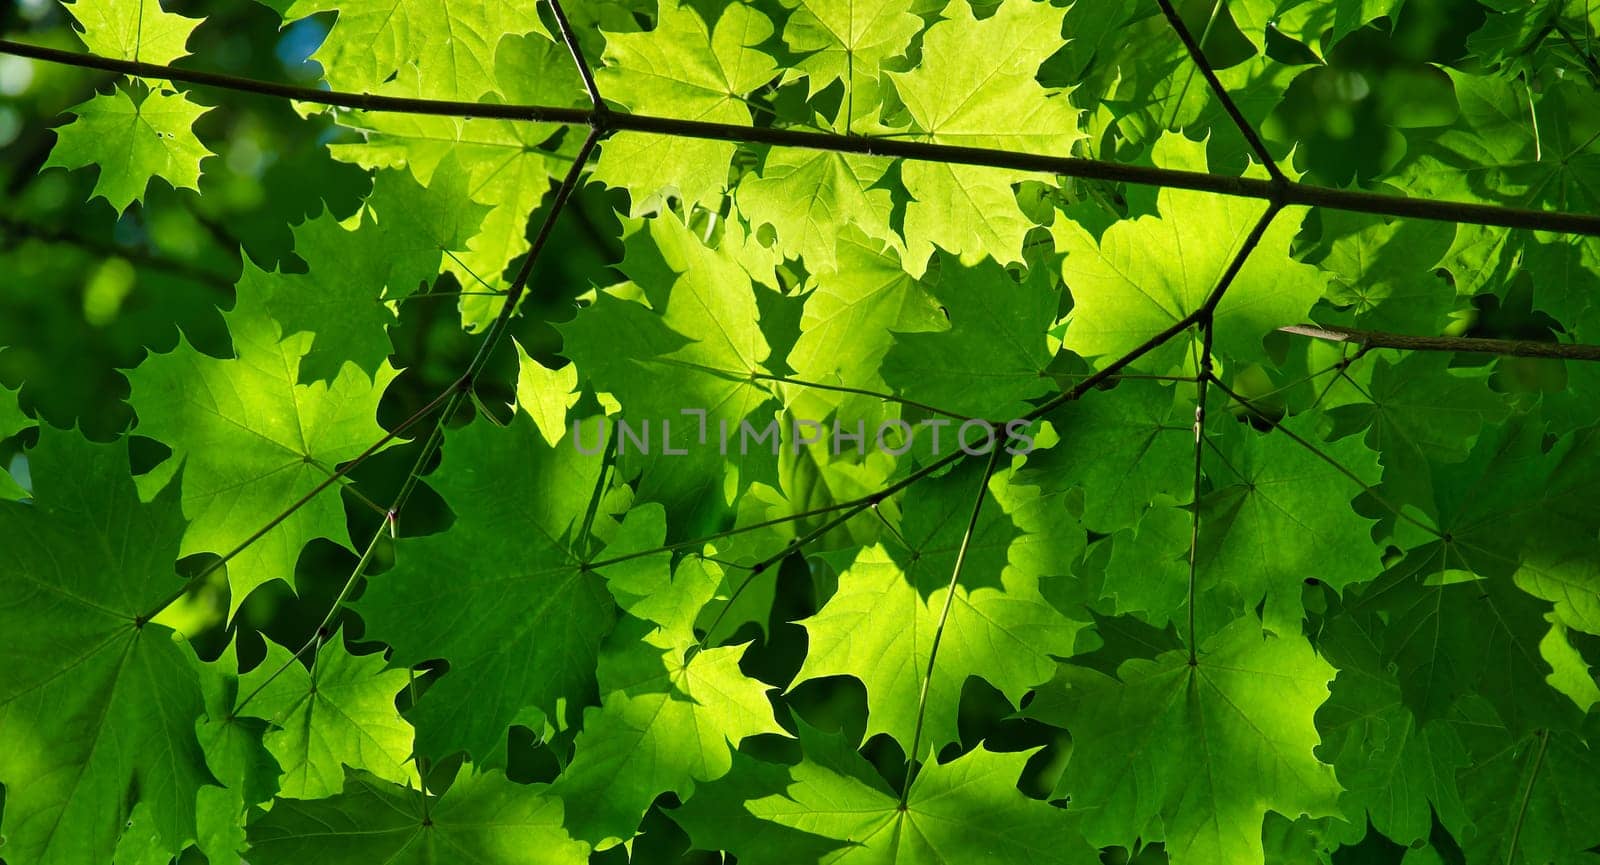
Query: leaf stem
(564, 27)
(1198, 55)
(1515, 839)
(912, 756)
(586, 534)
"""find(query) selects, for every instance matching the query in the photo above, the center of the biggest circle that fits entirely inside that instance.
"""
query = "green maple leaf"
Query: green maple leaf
(1198, 753)
(413, 227)
(990, 63)
(690, 316)
(1569, 671)
(1513, 504)
(97, 705)
(1516, 36)
(664, 723)
(1567, 409)
(879, 630)
(132, 142)
(716, 818)
(1029, 533)
(1502, 150)
(1180, 100)
(1396, 772)
(236, 755)
(1139, 82)
(1530, 795)
(1281, 514)
(1476, 533)
(141, 844)
(1125, 59)
(1380, 273)
(1148, 568)
(1124, 293)
(252, 439)
(521, 505)
(761, 504)
(339, 713)
(879, 626)
(835, 191)
(965, 810)
(1306, 21)
(1565, 273)
(848, 41)
(1509, 519)
(546, 395)
(991, 359)
(395, 245)
(12, 418)
(1478, 637)
(333, 306)
(444, 49)
(219, 825)
(232, 742)
(1510, 149)
(139, 30)
(484, 819)
(850, 322)
(1124, 447)
(682, 69)
(1566, 572)
(972, 74)
(1420, 410)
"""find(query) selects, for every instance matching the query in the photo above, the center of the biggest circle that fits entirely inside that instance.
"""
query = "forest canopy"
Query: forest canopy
(800, 431)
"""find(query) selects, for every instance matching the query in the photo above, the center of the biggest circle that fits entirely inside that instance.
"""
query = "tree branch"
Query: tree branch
(1369, 339)
(1284, 192)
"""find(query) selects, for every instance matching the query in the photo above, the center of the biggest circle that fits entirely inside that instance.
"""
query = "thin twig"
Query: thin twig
(586, 533)
(584, 71)
(1199, 453)
(1203, 377)
(1198, 55)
